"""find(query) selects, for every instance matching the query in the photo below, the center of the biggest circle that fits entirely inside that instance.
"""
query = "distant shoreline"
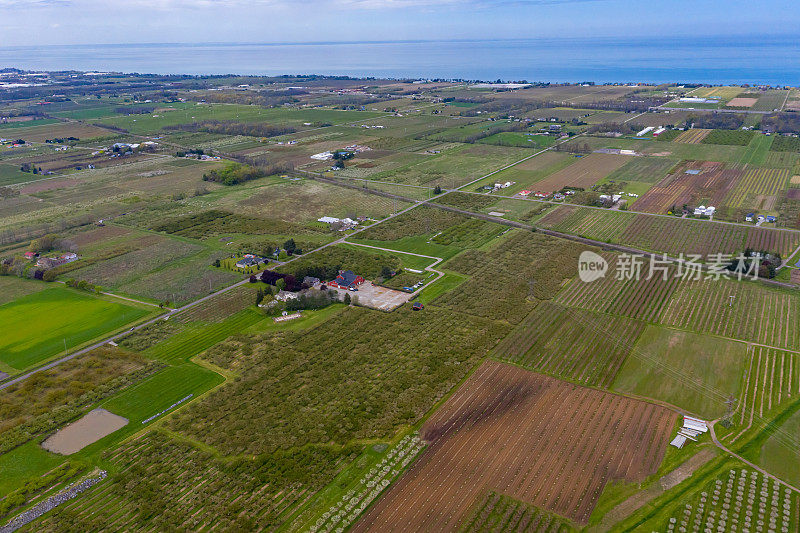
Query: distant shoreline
(772, 60)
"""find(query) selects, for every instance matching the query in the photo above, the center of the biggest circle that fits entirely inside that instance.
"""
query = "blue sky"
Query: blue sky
(32, 22)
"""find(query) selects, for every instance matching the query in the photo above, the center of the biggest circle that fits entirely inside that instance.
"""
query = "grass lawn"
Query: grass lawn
(146, 124)
(692, 371)
(780, 454)
(757, 150)
(446, 283)
(12, 287)
(26, 123)
(23, 462)
(10, 174)
(520, 139)
(417, 244)
(310, 318)
(407, 260)
(37, 325)
(160, 391)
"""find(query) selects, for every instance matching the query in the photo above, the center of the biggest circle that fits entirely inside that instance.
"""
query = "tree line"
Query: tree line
(232, 127)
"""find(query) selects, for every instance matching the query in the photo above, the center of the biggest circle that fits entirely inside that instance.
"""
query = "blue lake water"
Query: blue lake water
(754, 60)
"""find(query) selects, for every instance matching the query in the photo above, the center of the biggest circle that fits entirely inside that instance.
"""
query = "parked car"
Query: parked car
(417, 306)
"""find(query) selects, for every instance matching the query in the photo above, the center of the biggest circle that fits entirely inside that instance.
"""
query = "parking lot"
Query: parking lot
(370, 295)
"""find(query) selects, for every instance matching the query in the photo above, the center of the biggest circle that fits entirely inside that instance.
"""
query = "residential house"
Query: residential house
(749, 217)
(285, 296)
(311, 281)
(249, 260)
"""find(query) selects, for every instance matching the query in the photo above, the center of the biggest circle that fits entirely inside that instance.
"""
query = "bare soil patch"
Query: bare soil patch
(583, 173)
(66, 129)
(48, 185)
(793, 194)
(710, 185)
(376, 297)
(92, 427)
(99, 234)
(742, 102)
(534, 438)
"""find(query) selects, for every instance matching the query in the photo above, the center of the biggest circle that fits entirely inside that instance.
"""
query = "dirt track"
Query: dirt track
(534, 438)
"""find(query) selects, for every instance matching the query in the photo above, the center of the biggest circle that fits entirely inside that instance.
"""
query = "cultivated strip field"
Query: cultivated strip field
(640, 299)
(531, 437)
(193, 489)
(693, 136)
(497, 512)
(772, 381)
(583, 173)
(709, 187)
(591, 223)
(579, 345)
(759, 182)
(675, 236)
(740, 310)
(743, 500)
(667, 234)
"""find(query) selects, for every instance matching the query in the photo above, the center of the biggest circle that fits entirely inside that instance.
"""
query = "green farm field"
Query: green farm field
(37, 325)
(10, 174)
(7, 128)
(160, 391)
(148, 124)
(694, 372)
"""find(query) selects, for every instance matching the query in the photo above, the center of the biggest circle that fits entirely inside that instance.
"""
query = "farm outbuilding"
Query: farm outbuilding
(346, 279)
(678, 441)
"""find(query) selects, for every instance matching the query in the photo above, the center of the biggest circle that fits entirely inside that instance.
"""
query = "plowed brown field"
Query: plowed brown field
(710, 186)
(534, 438)
(583, 173)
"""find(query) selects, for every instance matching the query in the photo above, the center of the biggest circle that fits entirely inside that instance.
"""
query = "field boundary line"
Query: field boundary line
(516, 162)
(428, 268)
(742, 459)
(164, 316)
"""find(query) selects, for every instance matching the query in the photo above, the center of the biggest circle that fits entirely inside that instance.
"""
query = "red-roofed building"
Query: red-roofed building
(346, 280)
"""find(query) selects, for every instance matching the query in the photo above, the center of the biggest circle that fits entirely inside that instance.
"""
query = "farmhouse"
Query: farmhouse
(51, 262)
(322, 156)
(749, 217)
(346, 279)
(702, 210)
(311, 281)
(285, 296)
(247, 261)
(346, 223)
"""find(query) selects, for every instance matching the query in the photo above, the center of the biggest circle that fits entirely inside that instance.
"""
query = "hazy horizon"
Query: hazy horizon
(73, 22)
